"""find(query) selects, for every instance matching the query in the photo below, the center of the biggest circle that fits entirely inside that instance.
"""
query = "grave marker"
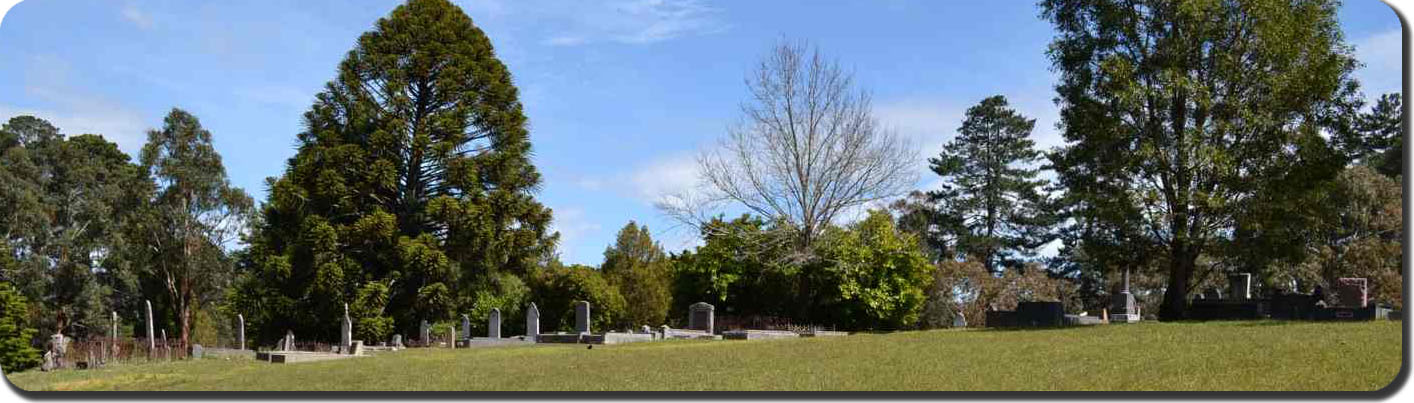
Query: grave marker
(240, 334)
(493, 328)
(532, 321)
(346, 333)
(701, 317)
(466, 326)
(581, 317)
(1239, 286)
(425, 333)
(151, 342)
(1352, 293)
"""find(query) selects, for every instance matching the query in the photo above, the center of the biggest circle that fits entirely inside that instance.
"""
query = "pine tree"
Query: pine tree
(991, 194)
(414, 172)
(639, 268)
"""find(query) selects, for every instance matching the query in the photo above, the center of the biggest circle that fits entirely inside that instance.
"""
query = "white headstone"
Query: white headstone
(493, 327)
(346, 333)
(240, 333)
(151, 341)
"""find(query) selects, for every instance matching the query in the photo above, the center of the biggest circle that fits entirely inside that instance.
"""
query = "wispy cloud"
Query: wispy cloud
(1382, 54)
(573, 225)
(73, 110)
(630, 21)
(132, 14)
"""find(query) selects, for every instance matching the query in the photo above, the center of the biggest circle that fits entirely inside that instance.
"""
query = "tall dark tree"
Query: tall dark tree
(990, 187)
(1179, 111)
(641, 271)
(1383, 126)
(414, 172)
(65, 200)
(193, 216)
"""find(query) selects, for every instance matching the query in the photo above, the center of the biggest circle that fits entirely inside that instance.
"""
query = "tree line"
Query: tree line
(1201, 138)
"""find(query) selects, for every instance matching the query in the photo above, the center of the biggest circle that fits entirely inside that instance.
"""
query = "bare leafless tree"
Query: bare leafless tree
(808, 148)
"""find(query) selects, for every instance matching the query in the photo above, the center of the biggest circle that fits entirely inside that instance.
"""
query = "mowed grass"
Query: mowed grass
(1223, 356)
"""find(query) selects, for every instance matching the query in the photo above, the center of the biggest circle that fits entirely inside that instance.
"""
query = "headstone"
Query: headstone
(346, 333)
(397, 341)
(581, 317)
(1239, 286)
(425, 332)
(1212, 293)
(197, 351)
(701, 317)
(1352, 293)
(240, 333)
(958, 320)
(166, 348)
(466, 326)
(451, 337)
(113, 337)
(532, 321)
(50, 362)
(1122, 306)
(493, 327)
(151, 342)
(289, 342)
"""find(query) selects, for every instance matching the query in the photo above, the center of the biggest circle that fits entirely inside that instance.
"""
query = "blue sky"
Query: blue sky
(620, 94)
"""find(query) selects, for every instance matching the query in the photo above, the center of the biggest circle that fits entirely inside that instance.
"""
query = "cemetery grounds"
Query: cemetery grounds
(1211, 356)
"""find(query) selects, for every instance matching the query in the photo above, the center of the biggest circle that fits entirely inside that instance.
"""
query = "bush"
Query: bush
(557, 287)
(16, 351)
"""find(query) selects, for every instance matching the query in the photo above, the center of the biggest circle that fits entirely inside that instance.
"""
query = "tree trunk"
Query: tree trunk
(1181, 264)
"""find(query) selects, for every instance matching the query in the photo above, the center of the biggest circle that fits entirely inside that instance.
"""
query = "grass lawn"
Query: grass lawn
(1152, 356)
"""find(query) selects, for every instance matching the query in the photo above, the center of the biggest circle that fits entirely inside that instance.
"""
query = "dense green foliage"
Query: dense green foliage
(642, 273)
(16, 353)
(557, 288)
(1177, 113)
(65, 201)
(991, 199)
(868, 275)
(412, 185)
(1223, 356)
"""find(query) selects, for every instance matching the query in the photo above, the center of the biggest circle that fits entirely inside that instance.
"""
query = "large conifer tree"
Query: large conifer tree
(412, 183)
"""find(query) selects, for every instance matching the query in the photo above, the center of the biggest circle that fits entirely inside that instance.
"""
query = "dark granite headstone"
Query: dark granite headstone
(581, 317)
(1352, 293)
(701, 316)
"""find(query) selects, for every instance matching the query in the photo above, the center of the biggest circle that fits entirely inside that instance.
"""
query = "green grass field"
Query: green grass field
(1270, 356)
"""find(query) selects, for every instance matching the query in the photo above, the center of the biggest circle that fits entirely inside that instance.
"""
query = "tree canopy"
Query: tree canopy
(413, 173)
(1175, 113)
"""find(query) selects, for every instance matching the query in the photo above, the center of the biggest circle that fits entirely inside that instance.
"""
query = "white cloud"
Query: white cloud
(132, 14)
(1383, 57)
(73, 110)
(667, 176)
(573, 224)
(927, 123)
